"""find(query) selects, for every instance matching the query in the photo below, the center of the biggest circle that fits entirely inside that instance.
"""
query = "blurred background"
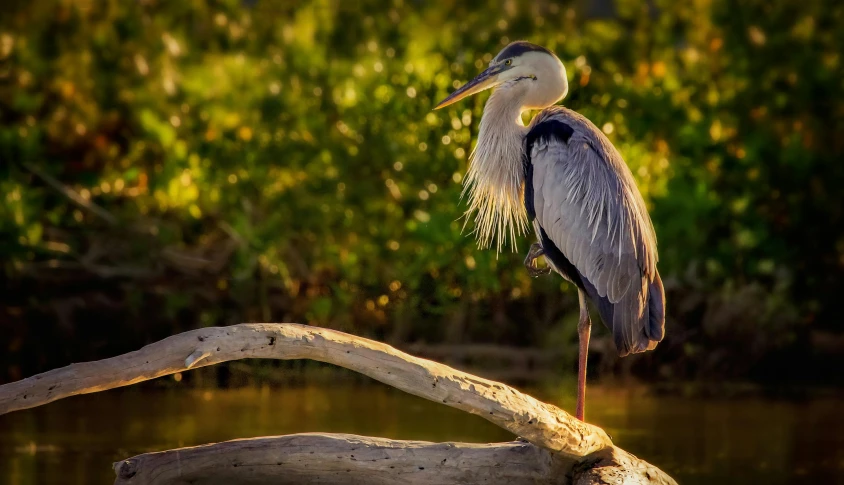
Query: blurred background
(166, 166)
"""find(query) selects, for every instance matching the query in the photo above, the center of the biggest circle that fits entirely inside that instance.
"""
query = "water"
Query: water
(698, 441)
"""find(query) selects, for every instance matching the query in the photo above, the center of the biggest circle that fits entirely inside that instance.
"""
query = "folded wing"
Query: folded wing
(594, 226)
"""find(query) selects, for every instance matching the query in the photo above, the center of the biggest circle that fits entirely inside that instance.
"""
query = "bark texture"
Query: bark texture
(345, 459)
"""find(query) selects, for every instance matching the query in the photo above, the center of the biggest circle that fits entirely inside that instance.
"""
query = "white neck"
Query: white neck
(496, 175)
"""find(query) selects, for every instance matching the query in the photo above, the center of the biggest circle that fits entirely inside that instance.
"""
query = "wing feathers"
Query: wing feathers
(587, 202)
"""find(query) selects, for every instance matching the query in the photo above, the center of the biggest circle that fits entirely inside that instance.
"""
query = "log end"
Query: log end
(614, 466)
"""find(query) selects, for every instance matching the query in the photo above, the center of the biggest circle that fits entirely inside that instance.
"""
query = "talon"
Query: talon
(537, 272)
(534, 253)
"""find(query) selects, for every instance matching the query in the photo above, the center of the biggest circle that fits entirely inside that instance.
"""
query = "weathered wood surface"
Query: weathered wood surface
(542, 424)
(329, 459)
(345, 459)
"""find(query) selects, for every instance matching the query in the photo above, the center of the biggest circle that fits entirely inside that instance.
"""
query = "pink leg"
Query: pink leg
(584, 329)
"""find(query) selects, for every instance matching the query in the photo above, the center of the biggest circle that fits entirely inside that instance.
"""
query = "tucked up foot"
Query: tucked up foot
(530, 261)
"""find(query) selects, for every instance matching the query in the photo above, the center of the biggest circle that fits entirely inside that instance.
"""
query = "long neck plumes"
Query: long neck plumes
(495, 176)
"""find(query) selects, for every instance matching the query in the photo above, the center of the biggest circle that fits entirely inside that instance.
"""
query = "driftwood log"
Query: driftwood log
(342, 458)
(566, 450)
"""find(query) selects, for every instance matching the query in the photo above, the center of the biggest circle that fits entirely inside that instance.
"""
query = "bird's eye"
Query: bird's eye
(508, 62)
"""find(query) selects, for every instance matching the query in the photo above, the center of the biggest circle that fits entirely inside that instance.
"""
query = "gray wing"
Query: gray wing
(586, 203)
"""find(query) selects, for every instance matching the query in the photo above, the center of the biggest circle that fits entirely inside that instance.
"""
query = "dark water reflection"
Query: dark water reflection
(699, 441)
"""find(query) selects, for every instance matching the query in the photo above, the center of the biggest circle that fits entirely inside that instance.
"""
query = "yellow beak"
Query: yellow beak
(484, 80)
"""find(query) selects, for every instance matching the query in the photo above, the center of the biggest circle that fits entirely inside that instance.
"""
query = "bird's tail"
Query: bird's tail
(637, 321)
(655, 327)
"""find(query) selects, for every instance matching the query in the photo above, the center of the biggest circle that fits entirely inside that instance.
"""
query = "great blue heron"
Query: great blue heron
(562, 174)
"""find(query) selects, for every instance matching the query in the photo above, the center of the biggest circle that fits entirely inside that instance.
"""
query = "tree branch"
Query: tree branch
(574, 452)
(542, 424)
(71, 194)
(341, 459)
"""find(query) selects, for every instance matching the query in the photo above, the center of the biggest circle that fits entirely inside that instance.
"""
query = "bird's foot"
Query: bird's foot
(530, 261)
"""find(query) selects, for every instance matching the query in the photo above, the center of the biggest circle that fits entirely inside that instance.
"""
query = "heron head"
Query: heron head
(534, 72)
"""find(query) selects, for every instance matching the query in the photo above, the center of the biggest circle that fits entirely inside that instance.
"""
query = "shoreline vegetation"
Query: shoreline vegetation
(171, 166)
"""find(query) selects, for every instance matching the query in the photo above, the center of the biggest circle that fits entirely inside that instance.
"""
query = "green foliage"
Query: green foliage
(305, 134)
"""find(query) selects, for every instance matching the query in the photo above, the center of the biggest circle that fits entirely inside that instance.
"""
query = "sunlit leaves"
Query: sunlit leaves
(307, 130)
